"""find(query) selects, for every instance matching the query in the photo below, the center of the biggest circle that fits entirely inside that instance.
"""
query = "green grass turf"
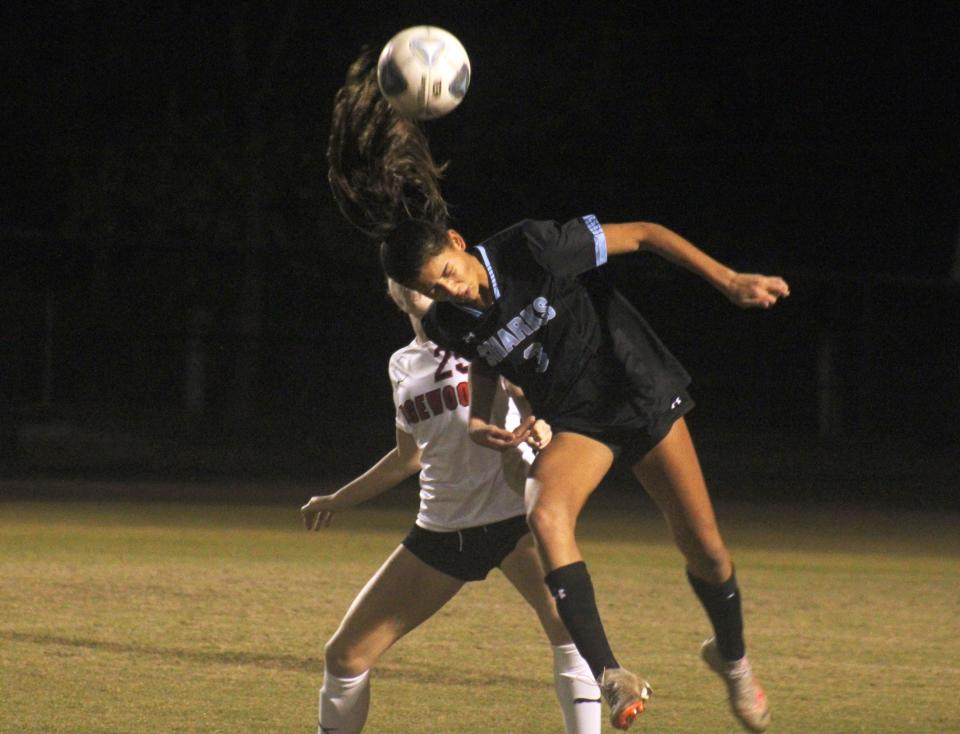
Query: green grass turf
(134, 617)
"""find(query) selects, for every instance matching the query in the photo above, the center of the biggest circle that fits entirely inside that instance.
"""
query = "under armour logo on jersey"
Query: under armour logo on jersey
(469, 338)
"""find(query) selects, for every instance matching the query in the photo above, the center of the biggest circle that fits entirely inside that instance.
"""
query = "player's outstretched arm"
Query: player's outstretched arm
(484, 383)
(747, 290)
(402, 462)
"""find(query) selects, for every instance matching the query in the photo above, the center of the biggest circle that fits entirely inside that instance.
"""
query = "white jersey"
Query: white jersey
(462, 484)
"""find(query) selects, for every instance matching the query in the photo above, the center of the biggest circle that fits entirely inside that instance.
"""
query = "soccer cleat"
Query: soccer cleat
(625, 694)
(747, 699)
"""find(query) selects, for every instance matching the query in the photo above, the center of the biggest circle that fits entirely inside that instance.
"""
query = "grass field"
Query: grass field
(161, 617)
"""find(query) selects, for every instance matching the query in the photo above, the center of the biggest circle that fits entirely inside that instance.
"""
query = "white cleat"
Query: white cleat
(747, 699)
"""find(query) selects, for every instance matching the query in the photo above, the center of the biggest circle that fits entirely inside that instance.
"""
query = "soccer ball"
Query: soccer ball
(424, 72)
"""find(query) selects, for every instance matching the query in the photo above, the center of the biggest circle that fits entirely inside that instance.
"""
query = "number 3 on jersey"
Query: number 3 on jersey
(445, 355)
(535, 352)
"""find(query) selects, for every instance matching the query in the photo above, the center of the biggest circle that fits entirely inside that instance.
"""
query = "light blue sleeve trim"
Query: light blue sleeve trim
(599, 238)
(493, 277)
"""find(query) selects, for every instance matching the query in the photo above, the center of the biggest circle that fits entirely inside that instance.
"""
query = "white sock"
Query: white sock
(344, 703)
(577, 691)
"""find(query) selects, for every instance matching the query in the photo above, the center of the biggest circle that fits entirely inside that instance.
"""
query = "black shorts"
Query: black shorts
(469, 554)
(630, 444)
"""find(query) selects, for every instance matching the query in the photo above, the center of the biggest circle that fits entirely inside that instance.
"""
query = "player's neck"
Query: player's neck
(418, 329)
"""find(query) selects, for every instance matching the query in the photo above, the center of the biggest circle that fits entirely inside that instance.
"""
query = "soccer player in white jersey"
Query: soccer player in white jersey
(471, 519)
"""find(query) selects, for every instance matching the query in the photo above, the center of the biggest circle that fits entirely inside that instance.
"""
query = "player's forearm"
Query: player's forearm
(384, 475)
(671, 246)
(484, 383)
(630, 237)
(519, 399)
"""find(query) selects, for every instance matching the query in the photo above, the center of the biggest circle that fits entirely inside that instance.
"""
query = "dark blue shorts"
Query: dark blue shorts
(629, 444)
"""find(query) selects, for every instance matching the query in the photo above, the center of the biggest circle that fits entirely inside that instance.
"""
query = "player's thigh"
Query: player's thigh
(670, 473)
(561, 480)
(523, 569)
(401, 595)
(566, 472)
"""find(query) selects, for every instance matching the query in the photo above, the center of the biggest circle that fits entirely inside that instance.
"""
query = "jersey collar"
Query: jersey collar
(494, 286)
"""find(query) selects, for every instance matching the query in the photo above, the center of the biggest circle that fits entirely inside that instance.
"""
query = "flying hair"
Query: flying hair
(381, 170)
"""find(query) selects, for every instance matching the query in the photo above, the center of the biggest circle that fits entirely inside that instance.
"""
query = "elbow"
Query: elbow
(645, 235)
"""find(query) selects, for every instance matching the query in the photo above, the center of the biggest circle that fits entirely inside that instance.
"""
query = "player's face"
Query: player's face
(453, 275)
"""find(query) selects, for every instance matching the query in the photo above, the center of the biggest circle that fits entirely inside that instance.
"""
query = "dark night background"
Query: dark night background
(180, 298)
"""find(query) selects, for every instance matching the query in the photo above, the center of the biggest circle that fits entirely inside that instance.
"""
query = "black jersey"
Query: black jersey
(582, 354)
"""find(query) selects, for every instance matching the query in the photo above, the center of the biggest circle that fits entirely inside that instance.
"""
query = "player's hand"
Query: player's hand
(500, 439)
(751, 290)
(540, 435)
(318, 512)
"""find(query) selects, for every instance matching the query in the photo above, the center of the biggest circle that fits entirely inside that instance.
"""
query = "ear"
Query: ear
(456, 239)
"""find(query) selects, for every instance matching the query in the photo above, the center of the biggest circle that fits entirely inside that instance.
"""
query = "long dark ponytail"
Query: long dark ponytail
(382, 173)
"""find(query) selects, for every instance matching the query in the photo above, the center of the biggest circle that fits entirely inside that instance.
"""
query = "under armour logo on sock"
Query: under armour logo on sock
(560, 593)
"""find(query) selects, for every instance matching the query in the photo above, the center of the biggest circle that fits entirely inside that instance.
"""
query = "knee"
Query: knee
(548, 523)
(343, 659)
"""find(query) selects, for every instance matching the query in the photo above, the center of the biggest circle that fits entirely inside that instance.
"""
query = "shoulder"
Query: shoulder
(524, 231)
(520, 245)
(540, 234)
(401, 361)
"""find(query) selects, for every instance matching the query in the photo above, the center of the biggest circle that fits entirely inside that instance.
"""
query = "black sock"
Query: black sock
(573, 591)
(722, 603)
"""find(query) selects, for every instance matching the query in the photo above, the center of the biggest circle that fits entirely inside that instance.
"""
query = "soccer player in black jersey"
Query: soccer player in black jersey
(528, 304)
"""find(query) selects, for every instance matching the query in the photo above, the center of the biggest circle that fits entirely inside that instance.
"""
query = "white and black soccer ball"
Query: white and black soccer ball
(424, 72)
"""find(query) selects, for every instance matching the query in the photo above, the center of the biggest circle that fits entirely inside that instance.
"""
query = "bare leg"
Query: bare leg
(561, 480)
(671, 474)
(401, 595)
(524, 570)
